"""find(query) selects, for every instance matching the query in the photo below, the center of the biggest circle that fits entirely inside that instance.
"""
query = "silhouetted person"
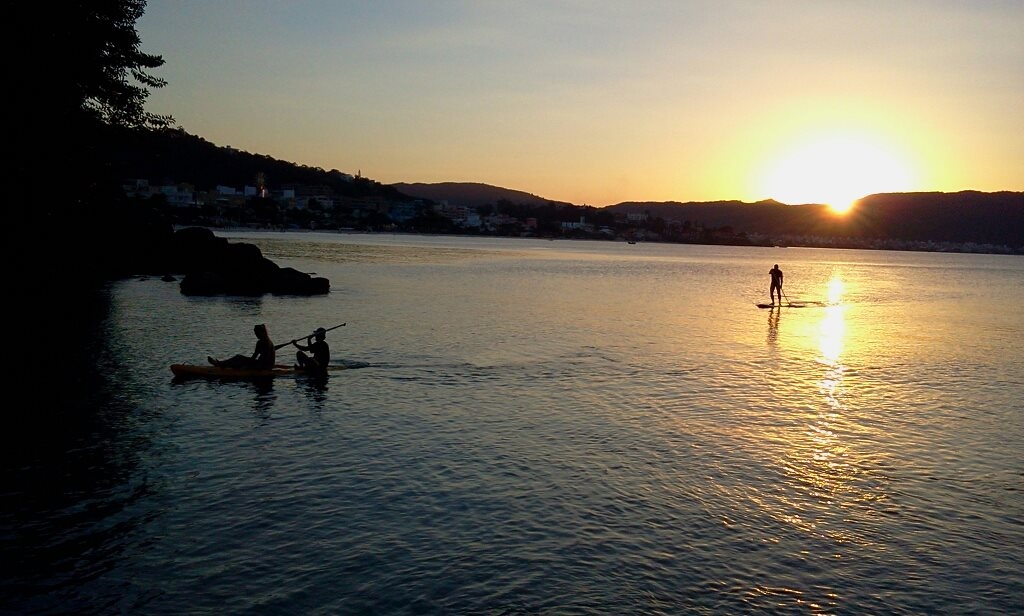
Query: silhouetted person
(262, 358)
(776, 287)
(320, 349)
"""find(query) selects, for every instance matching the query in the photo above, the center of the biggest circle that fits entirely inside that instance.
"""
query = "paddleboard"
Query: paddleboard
(788, 305)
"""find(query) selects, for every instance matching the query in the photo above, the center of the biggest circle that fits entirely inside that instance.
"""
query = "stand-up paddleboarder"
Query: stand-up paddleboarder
(776, 287)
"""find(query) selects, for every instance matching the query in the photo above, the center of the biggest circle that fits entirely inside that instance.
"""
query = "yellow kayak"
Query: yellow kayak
(215, 372)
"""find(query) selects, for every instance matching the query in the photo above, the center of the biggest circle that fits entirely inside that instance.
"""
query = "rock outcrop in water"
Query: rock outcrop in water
(214, 266)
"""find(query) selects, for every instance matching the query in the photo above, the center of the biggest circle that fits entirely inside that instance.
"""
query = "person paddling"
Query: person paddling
(262, 357)
(321, 352)
(776, 286)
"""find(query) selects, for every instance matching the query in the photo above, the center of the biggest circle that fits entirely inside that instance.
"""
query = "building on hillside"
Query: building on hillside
(178, 195)
(404, 212)
(582, 225)
(175, 195)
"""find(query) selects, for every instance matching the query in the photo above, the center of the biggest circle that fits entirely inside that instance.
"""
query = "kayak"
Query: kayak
(215, 372)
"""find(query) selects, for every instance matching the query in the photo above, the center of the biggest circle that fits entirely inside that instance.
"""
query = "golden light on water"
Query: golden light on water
(812, 443)
(828, 451)
(833, 326)
(819, 458)
(835, 290)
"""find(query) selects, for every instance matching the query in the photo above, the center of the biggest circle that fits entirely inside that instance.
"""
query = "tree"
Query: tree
(76, 78)
(78, 75)
(81, 61)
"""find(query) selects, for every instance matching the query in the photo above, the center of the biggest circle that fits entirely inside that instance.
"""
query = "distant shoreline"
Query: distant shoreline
(880, 245)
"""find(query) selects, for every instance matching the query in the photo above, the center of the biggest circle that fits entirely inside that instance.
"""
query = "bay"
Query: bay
(540, 427)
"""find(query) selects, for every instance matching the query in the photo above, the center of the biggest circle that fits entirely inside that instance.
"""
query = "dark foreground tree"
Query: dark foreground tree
(81, 60)
(76, 76)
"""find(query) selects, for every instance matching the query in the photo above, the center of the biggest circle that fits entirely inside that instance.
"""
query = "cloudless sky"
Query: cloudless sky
(599, 102)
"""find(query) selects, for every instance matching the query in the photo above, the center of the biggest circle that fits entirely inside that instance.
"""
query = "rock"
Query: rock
(214, 266)
(290, 281)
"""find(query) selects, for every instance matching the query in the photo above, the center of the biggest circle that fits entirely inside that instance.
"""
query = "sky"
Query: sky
(599, 102)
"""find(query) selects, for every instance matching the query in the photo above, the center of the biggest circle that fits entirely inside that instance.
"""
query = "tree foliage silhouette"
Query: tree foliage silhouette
(77, 71)
(76, 74)
(81, 60)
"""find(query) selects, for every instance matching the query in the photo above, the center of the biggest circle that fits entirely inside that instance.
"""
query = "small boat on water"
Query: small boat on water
(186, 371)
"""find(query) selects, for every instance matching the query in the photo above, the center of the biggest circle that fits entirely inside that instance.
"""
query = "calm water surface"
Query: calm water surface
(537, 427)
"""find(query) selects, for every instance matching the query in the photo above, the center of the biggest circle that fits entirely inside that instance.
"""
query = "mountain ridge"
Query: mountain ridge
(470, 194)
(964, 216)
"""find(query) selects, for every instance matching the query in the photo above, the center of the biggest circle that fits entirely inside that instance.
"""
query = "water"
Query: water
(537, 427)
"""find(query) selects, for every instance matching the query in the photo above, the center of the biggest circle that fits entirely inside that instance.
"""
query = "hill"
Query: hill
(469, 194)
(968, 216)
(173, 156)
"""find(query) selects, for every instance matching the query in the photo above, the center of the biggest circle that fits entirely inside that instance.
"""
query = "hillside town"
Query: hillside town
(319, 207)
(297, 206)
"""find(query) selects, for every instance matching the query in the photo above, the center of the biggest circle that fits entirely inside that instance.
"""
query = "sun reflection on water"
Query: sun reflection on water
(818, 459)
(825, 445)
(832, 332)
(835, 290)
(833, 326)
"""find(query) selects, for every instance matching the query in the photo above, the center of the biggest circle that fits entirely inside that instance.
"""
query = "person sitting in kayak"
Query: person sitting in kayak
(261, 359)
(321, 352)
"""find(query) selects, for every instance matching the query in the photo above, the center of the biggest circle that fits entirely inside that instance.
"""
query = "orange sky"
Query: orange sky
(601, 102)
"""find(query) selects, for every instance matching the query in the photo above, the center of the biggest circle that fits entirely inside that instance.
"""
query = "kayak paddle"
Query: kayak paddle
(278, 346)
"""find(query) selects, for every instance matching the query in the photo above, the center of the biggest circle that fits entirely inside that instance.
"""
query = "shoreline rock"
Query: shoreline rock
(214, 266)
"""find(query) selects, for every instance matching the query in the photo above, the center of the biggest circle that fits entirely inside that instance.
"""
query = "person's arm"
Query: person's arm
(307, 346)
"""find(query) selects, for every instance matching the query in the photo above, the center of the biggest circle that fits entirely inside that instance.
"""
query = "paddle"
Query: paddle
(791, 304)
(278, 346)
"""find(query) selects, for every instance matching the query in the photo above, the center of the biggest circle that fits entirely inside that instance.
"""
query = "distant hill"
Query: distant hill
(967, 216)
(174, 156)
(469, 194)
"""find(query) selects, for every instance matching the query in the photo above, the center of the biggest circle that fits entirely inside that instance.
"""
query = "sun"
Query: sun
(835, 169)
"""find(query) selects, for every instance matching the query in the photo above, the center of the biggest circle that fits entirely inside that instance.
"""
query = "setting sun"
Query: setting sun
(836, 170)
